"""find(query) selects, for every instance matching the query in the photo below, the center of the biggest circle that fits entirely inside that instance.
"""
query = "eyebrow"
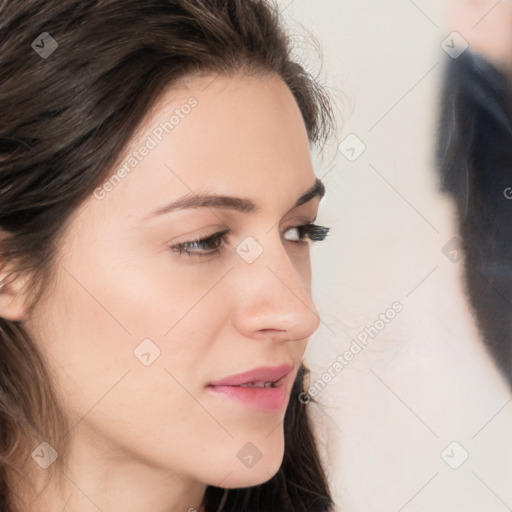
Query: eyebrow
(240, 204)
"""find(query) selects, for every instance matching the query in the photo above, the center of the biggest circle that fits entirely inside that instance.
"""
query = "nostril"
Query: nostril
(275, 334)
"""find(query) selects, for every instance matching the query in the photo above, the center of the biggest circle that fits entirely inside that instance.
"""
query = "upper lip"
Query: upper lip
(260, 374)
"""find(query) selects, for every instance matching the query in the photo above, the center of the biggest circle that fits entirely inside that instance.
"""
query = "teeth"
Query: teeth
(258, 385)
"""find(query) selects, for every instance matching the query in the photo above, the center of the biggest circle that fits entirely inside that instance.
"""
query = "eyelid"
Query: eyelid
(197, 234)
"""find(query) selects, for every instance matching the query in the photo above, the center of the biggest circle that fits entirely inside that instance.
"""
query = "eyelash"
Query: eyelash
(312, 232)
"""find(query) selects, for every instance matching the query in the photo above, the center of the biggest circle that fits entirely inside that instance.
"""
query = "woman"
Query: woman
(157, 199)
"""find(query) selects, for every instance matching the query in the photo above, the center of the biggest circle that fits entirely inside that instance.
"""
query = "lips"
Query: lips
(265, 388)
(264, 376)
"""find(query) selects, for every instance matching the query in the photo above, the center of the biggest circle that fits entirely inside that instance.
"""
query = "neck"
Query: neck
(96, 480)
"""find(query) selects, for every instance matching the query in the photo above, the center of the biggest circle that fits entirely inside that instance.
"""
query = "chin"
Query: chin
(248, 474)
(251, 477)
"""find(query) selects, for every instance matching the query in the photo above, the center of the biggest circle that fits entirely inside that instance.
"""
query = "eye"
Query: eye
(211, 245)
(310, 232)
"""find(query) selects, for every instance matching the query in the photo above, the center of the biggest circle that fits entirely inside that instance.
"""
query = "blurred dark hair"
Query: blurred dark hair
(474, 159)
(65, 119)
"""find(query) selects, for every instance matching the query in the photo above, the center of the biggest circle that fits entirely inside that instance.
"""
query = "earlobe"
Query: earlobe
(12, 299)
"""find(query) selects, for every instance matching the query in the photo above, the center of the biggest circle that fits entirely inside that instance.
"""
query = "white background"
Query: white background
(425, 380)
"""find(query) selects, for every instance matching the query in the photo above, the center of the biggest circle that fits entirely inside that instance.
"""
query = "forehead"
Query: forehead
(235, 135)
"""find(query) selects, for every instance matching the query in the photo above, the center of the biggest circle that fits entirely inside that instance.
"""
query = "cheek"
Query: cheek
(99, 324)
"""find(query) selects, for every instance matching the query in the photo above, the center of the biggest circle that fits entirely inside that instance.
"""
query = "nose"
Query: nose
(272, 295)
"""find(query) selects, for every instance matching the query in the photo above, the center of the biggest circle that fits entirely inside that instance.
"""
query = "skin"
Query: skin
(152, 437)
(486, 26)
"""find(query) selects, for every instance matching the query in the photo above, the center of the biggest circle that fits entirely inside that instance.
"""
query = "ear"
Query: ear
(13, 304)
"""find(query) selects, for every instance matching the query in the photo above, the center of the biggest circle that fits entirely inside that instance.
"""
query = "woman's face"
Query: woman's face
(135, 331)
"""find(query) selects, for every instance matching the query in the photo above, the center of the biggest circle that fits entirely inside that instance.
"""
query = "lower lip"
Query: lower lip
(263, 399)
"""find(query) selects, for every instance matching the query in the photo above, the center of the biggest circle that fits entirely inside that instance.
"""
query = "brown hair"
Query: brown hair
(65, 119)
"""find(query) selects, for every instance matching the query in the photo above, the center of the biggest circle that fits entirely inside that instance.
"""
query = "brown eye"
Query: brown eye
(202, 247)
(211, 245)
